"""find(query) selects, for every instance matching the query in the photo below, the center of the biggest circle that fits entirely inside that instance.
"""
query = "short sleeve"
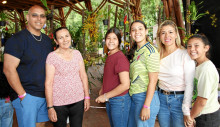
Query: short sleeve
(15, 46)
(79, 56)
(122, 65)
(204, 84)
(50, 59)
(153, 62)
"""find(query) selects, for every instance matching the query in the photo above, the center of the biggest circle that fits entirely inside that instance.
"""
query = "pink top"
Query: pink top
(67, 84)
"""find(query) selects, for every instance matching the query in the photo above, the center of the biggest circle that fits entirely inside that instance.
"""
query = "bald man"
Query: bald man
(24, 67)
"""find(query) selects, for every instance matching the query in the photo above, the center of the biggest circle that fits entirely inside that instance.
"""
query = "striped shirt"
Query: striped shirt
(146, 59)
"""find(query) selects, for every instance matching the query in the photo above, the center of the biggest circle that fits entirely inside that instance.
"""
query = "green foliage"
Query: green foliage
(44, 2)
(2, 16)
(193, 14)
(149, 9)
(121, 15)
(106, 13)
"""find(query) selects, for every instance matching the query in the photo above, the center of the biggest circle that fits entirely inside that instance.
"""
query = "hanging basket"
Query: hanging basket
(2, 23)
(121, 23)
(105, 21)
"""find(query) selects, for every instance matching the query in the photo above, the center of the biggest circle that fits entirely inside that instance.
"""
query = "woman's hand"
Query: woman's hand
(100, 99)
(145, 114)
(86, 104)
(188, 121)
(52, 115)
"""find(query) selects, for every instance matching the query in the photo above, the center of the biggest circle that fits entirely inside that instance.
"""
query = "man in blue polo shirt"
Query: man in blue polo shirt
(24, 67)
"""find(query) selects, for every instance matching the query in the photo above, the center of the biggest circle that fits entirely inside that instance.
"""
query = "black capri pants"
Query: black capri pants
(74, 111)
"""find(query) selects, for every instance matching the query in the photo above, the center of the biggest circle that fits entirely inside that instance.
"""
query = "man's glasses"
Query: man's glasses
(34, 15)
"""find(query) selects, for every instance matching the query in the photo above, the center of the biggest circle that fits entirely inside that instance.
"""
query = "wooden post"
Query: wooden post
(109, 9)
(62, 18)
(171, 10)
(116, 15)
(188, 25)
(124, 23)
(179, 19)
(16, 22)
(166, 10)
(129, 21)
(51, 21)
(83, 40)
(159, 16)
(22, 19)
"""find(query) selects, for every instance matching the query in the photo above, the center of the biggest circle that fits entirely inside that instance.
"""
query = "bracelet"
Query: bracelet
(21, 96)
(147, 107)
(106, 99)
(87, 97)
(49, 107)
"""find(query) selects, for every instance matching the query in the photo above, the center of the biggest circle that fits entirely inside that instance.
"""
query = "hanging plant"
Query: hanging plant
(193, 14)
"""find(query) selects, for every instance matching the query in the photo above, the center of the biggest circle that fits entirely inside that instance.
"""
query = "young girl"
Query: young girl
(115, 82)
(143, 74)
(205, 109)
(175, 77)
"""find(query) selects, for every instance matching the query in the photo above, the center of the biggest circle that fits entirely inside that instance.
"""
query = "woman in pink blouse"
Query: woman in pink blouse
(175, 77)
(66, 85)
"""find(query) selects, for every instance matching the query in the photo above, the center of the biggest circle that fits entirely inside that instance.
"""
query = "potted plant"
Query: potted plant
(106, 13)
(2, 19)
(193, 13)
(121, 17)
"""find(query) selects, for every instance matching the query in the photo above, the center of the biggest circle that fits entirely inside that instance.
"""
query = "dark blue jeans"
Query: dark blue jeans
(171, 114)
(6, 113)
(118, 110)
(137, 102)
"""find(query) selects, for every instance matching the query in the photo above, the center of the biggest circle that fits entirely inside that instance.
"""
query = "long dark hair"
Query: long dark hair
(116, 32)
(130, 54)
(204, 40)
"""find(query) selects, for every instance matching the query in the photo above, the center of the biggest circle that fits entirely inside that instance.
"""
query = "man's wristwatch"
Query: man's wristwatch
(106, 99)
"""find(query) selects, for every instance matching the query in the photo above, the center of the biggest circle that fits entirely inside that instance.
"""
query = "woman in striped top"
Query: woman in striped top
(144, 70)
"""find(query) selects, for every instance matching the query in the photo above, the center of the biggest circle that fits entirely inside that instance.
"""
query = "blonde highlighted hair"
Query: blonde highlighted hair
(161, 47)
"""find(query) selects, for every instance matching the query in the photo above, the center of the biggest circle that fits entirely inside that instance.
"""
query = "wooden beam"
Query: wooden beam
(67, 14)
(100, 6)
(179, 18)
(166, 10)
(116, 4)
(116, 15)
(80, 4)
(171, 10)
(188, 25)
(88, 5)
(109, 9)
(62, 20)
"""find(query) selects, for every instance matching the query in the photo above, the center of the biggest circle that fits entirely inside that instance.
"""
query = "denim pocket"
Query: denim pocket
(156, 99)
(8, 111)
(179, 98)
(117, 99)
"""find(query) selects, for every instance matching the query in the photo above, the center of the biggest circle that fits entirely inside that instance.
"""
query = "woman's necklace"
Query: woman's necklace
(36, 38)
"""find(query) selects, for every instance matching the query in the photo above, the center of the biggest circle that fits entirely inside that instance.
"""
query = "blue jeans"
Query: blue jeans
(6, 114)
(118, 110)
(170, 114)
(137, 102)
(30, 110)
